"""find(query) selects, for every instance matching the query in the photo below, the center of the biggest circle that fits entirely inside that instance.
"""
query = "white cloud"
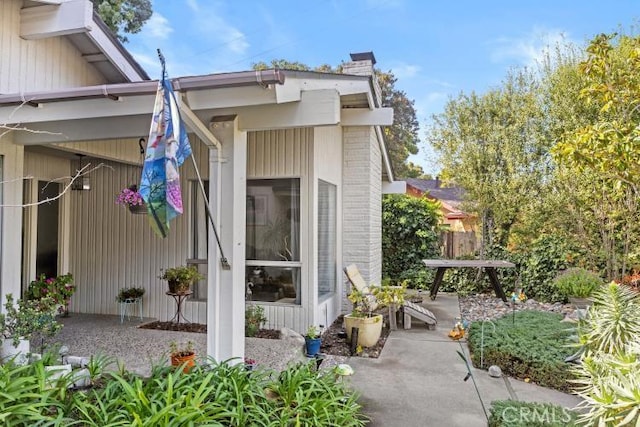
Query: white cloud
(193, 5)
(405, 71)
(158, 27)
(530, 48)
(213, 27)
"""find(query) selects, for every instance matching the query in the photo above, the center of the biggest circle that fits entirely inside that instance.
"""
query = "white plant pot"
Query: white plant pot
(19, 353)
(369, 329)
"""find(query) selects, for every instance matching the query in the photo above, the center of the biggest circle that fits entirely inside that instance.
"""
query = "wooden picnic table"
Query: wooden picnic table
(489, 266)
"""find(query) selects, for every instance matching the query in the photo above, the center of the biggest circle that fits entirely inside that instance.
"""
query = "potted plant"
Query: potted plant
(312, 341)
(183, 356)
(253, 319)
(21, 321)
(180, 278)
(576, 285)
(130, 294)
(362, 317)
(60, 289)
(131, 198)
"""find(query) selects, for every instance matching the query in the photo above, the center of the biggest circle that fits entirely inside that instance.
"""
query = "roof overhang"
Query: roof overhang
(262, 100)
(76, 20)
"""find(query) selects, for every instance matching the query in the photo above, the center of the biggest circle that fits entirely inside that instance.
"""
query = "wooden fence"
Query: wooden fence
(458, 243)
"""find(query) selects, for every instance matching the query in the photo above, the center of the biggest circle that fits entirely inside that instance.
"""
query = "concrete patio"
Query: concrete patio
(137, 349)
(416, 381)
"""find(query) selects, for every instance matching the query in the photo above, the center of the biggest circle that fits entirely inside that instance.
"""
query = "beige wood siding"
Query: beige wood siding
(283, 154)
(119, 150)
(110, 248)
(33, 65)
(278, 153)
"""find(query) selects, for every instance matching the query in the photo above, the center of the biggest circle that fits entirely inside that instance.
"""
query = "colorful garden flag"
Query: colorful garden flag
(167, 148)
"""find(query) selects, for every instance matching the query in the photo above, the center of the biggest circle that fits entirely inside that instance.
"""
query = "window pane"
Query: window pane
(274, 284)
(273, 219)
(327, 239)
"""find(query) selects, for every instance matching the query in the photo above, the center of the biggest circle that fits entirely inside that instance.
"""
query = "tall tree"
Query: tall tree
(606, 146)
(492, 146)
(123, 16)
(402, 137)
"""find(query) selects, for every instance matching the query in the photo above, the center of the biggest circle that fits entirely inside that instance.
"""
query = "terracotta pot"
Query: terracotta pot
(369, 329)
(188, 362)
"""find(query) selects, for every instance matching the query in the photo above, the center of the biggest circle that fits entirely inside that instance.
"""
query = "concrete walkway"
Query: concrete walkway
(418, 379)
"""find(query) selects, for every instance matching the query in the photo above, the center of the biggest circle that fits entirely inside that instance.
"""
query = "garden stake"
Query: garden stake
(354, 340)
(470, 375)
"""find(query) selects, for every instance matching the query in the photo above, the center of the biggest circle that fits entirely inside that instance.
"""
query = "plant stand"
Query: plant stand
(129, 306)
(179, 299)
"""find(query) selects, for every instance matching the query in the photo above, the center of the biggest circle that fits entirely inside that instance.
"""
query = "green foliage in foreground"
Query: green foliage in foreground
(512, 413)
(215, 395)
(533, 346)
(608, 377)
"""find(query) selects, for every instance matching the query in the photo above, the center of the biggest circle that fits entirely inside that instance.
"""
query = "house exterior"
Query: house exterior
(294, 165)
(460, 234)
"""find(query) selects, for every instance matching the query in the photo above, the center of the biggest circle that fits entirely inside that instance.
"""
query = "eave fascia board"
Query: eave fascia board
(316, 108)
(385, 154)
(202, 92)
(56, 19)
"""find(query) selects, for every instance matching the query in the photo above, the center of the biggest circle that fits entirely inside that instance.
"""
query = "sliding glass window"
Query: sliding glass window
(327, 238)
(273, 240)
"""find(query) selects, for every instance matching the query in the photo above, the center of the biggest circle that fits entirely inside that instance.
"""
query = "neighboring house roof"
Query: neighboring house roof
(76, 21)
(450, 197)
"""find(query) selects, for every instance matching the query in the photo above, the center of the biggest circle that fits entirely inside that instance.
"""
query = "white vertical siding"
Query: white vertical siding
(327, 159)
(279, 154)
(110, 248)
(33, 65)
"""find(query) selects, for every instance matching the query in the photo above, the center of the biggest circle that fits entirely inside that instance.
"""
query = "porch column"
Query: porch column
(228, 187)
(11, 218)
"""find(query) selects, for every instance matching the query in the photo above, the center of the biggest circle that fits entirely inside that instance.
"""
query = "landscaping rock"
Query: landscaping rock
(81, 378)
(486, 306)
(77, 361)
(291, 335)
(495, 371)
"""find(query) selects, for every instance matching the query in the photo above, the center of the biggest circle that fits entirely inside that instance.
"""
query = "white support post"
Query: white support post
(225, 309)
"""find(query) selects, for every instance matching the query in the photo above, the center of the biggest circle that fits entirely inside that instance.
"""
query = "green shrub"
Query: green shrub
(513, 413)
(527, 344)
(540, 264)
(214, 394)
(577, 282)
(409, 235)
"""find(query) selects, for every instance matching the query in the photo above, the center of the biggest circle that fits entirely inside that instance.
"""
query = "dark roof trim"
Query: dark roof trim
(211, 81)
(118, 44)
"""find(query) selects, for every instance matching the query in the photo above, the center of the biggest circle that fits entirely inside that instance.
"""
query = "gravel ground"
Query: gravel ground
(485, 306)
(86, 335)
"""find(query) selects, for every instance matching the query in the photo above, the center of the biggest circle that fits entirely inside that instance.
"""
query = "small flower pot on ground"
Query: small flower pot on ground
(312, 341)
(184, 357)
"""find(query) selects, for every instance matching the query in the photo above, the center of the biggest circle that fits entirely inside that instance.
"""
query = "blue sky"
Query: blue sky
(436, 49)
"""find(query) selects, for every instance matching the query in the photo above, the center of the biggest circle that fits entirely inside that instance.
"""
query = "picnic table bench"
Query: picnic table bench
(488, 265)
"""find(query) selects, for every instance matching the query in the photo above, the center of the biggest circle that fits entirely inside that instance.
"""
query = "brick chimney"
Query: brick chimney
(361, 64)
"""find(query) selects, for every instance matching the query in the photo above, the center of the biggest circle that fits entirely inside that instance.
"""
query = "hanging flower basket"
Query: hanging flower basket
(131, 198)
